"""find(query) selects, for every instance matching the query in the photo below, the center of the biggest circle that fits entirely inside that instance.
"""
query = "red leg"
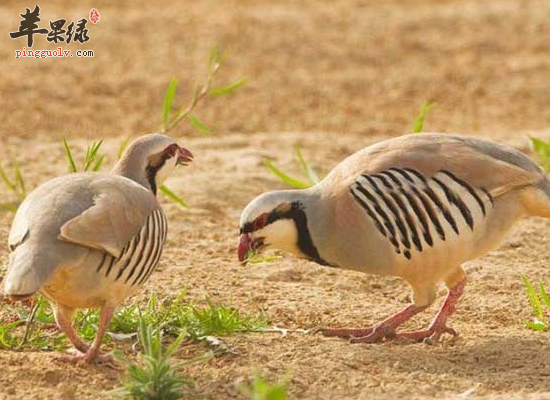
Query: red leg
(63, 317)
(384, 329)
(93, 354)
(387, 328)
(438, 325)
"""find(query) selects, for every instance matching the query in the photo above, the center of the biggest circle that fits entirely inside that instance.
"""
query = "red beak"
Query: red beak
(245, 244)
(185, 156)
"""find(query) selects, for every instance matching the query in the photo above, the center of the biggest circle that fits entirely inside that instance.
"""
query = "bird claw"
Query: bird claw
(346, 333)
(88, 357)
(428, 336)
(377, 335)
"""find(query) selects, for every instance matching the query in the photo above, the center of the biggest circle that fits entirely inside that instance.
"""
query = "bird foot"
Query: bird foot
(89, 357)
(384, 329)
(429, 336)
(377, 335)
(346, 333)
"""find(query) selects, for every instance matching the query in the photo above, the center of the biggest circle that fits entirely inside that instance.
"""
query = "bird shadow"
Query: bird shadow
(504, 363)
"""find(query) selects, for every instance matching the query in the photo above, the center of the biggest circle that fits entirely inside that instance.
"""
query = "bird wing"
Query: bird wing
(413, 210)
(483, 164)
(20, 228)
(448, 184)
(116, 216)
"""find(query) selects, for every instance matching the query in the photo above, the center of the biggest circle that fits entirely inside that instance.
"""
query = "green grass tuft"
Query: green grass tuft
(155, 376)
(542, 149)
(171, 118)
(92, 159)
(171, 315)
(122, 148)
(172, 196)
(540, 305)
(311, 176)
(261, 389)
(16, 185)
(418, 125)
(229, 88)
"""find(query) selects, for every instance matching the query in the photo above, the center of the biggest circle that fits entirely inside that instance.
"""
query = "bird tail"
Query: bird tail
(22, 279)
(537, 201)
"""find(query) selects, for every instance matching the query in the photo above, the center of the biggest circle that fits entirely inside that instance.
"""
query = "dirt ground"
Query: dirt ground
(334, 76)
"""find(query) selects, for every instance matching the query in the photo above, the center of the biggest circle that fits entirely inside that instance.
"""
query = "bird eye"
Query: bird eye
(260, 222)
(171, 150)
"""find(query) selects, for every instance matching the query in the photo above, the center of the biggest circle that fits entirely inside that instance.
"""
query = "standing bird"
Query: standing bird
(92, 239)
(417, 207)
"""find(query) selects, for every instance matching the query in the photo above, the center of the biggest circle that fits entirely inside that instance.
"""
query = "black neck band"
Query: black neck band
(305, 241)
(151, 172)
(151, 178)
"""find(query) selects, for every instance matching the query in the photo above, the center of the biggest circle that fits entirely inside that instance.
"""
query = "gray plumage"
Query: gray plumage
(92, 239)
(417, 207)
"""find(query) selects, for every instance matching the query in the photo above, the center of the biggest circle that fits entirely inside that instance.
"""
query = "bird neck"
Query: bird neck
(142, 174)
(308, 216)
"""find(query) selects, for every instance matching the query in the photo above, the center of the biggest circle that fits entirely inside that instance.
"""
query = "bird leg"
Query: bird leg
(439, 324)
(377, 332)
(92, 354)
(63, 317)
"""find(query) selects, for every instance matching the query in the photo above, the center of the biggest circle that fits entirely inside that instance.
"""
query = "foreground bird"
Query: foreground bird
(92, 239)
(417, 207)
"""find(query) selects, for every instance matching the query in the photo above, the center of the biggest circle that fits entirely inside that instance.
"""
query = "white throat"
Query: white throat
(281, 234)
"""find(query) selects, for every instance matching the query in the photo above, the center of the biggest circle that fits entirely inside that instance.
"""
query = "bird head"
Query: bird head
(150, 159)
(272, 220)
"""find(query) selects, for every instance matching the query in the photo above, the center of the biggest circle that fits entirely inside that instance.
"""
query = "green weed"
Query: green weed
(173, 316)
(155, 376)
(253, 258)
(16, 186)
(309, 173)
(171, 118)
(173, 196)
(170, 315)
(418, 125)
(92, 159)
(540, 304)
(260, 389)
(542, 149)
(20, 327)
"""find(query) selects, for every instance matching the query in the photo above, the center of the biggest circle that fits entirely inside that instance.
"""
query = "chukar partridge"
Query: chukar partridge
(92, 239)
(416, 207)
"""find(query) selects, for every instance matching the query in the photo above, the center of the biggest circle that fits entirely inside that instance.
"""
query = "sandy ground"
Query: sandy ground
(333, 76)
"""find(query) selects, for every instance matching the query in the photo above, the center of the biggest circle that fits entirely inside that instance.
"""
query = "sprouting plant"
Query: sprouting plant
(172, 315)
(92, 160)
(171, 118)
(311, 176)
(172, 196)
(7, 338)
(155, 376)
(15, 185)
(123, 147)
(254, 258)
(260, 389)
(20, 327)
(542, 149)
(217, 320)
(539, 300)
(418, 125)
